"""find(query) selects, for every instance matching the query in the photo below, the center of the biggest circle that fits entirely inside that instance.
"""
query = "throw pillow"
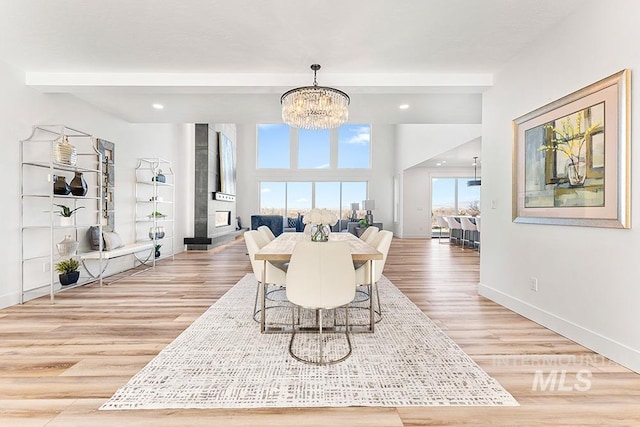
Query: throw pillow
(292, 222)
(112, 240)
(94, 238)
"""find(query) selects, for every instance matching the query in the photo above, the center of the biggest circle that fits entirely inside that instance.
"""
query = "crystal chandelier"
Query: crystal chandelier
(315, 107)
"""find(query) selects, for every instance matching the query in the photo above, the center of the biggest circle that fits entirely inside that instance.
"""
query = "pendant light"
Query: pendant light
(475, 181)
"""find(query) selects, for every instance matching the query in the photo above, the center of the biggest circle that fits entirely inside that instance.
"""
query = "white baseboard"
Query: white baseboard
(9, 299)
(618, 352)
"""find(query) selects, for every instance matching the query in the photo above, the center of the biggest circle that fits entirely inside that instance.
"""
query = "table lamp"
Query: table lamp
(354, 207)
(369, 205)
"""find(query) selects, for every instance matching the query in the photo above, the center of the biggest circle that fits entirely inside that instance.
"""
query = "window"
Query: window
(273, 146)
(314, 149)
(272, 198)
(354, 146)
(292, 198)
(299, 198)
(349, 145)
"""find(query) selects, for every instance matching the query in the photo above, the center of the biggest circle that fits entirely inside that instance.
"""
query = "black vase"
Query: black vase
(157, 254)
(78, 185)
(160, 178)
(69, 278)
(60, 186)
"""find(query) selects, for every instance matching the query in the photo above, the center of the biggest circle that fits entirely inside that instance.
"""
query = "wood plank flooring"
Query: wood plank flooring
(59, 363)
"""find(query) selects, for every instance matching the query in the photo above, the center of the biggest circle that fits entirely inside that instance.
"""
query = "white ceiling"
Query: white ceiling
(229, 61)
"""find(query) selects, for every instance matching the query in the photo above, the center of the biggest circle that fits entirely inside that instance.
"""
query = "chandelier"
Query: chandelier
(315, 107)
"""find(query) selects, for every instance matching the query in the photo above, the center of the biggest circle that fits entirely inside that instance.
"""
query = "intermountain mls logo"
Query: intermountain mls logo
(561, 380)
(552, 373)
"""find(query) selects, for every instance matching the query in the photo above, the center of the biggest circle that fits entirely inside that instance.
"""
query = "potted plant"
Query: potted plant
(157, 249)
(66, 214)
(363, 223)
(156, 214)
(69, 273)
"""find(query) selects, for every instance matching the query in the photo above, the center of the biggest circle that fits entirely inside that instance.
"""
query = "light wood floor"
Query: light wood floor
(59, 363)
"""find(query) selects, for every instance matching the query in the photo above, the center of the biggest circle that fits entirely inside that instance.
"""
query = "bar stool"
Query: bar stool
(468, 228)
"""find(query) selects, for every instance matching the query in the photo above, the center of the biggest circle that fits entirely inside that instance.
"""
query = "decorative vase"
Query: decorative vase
(66, 221)
(156, 233)
(69, 278)
(78, 185)
(65, 153)
(576, 171)
(157, 254)
(319, 233)
(159, 177)
(60, 186)
(67, 247)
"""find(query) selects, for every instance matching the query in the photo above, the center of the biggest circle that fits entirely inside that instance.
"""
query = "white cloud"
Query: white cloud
(362, 136)
(325, 166)
(265, 190)
(302, 200)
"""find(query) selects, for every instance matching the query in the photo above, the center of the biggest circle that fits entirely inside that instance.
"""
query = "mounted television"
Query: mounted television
(227, 165)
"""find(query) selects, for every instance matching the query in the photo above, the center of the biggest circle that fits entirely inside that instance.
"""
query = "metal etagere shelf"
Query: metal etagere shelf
(155, 209)
(40, 227)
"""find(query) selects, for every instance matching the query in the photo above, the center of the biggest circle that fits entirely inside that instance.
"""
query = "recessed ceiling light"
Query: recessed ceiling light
(403, 106)
(158, 106)
(438, 164)
(444, 161)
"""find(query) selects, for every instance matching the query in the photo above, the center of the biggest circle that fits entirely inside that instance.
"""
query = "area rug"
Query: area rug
(222, 361)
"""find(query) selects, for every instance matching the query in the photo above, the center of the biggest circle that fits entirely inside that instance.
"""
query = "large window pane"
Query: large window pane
(443, 200)
(273, 146)
(353, 192)
(354, 146)
(298, 198)
(314, 149)
(328, 196)
(468, 198)
(272, 198)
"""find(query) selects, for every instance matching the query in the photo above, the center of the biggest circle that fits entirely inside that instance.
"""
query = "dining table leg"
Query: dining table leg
(263, 297)
(372, 294)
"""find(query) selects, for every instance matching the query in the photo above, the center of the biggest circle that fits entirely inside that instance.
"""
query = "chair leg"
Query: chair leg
(321, 340)
(255, 304)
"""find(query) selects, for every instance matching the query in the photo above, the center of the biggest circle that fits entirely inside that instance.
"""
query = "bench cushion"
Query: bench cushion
(129, 249)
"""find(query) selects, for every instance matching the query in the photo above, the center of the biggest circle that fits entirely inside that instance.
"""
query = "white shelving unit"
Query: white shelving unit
(40, 227)
(154, 196)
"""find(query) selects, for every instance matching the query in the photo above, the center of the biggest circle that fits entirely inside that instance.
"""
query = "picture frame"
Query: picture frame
(571, 158)
(227, 165)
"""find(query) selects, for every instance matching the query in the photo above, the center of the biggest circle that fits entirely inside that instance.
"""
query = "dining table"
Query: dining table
(280, 250)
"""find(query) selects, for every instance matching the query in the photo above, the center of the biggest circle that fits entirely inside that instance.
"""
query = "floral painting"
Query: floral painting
(571, 161)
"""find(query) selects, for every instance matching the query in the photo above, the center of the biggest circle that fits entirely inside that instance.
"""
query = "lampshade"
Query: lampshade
(368, 205)
(315, 107)
(355, 206)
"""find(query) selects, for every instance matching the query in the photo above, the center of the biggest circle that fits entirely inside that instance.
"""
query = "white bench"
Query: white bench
(129, 249)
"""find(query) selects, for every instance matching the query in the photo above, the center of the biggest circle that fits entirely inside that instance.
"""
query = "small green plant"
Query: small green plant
(156, 214)
(364, 223)
(66, 211)
(158, 248)
(67, 266)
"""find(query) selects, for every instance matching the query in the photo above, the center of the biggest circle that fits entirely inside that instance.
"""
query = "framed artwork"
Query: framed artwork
(571, 159)
(107, 149)
(227, 165)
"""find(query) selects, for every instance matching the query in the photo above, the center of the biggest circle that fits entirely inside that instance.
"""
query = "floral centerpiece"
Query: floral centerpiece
(320, 221)
(570, 139)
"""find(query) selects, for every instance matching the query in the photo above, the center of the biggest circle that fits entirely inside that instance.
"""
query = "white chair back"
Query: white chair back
(256, 241)
(321, 275)
(478, 223)
(453, 223)
(266, 231)
(382, 243)
(369, 234)
(466, 224)
(442, 223)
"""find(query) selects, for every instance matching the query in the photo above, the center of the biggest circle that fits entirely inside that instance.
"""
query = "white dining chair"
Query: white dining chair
(275, 275)
(468, 231)
(442, 224)
(266, 231)
(369, 234)
(320, 277)
(478, 227)
(382, 243)
(455, 229)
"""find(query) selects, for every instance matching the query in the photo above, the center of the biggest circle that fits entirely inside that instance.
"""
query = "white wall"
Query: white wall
(417, 143)
(22, 107)
(380, 176)
(588, 277)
